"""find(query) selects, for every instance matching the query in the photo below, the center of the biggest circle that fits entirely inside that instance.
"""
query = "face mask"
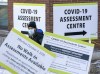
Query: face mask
(31, 32)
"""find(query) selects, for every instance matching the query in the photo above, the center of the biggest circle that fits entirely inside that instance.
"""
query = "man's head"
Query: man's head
(32, 25)
(32, 28)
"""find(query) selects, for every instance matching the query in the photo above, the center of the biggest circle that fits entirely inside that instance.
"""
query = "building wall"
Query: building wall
(49, 13)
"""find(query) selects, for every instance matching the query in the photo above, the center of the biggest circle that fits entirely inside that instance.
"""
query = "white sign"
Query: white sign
(73, 56)
(23, 13)
(76, 20)
(21, 55)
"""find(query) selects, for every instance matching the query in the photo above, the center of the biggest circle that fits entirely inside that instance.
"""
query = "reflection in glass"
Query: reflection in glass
(3, 17)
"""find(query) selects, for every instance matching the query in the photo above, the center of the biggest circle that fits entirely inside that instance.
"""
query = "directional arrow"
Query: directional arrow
(75, 33)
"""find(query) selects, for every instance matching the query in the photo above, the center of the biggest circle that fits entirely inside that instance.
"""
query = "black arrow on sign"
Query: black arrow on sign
(75, 33)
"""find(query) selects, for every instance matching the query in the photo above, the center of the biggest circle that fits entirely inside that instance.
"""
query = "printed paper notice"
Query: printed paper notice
(73, 56)
(21, 55)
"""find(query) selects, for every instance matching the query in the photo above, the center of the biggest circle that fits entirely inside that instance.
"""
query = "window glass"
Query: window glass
(3, 17)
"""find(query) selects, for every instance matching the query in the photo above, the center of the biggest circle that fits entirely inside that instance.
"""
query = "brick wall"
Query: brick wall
(49, 13)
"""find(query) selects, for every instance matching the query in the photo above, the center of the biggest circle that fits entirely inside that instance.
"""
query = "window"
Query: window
(3, 16)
